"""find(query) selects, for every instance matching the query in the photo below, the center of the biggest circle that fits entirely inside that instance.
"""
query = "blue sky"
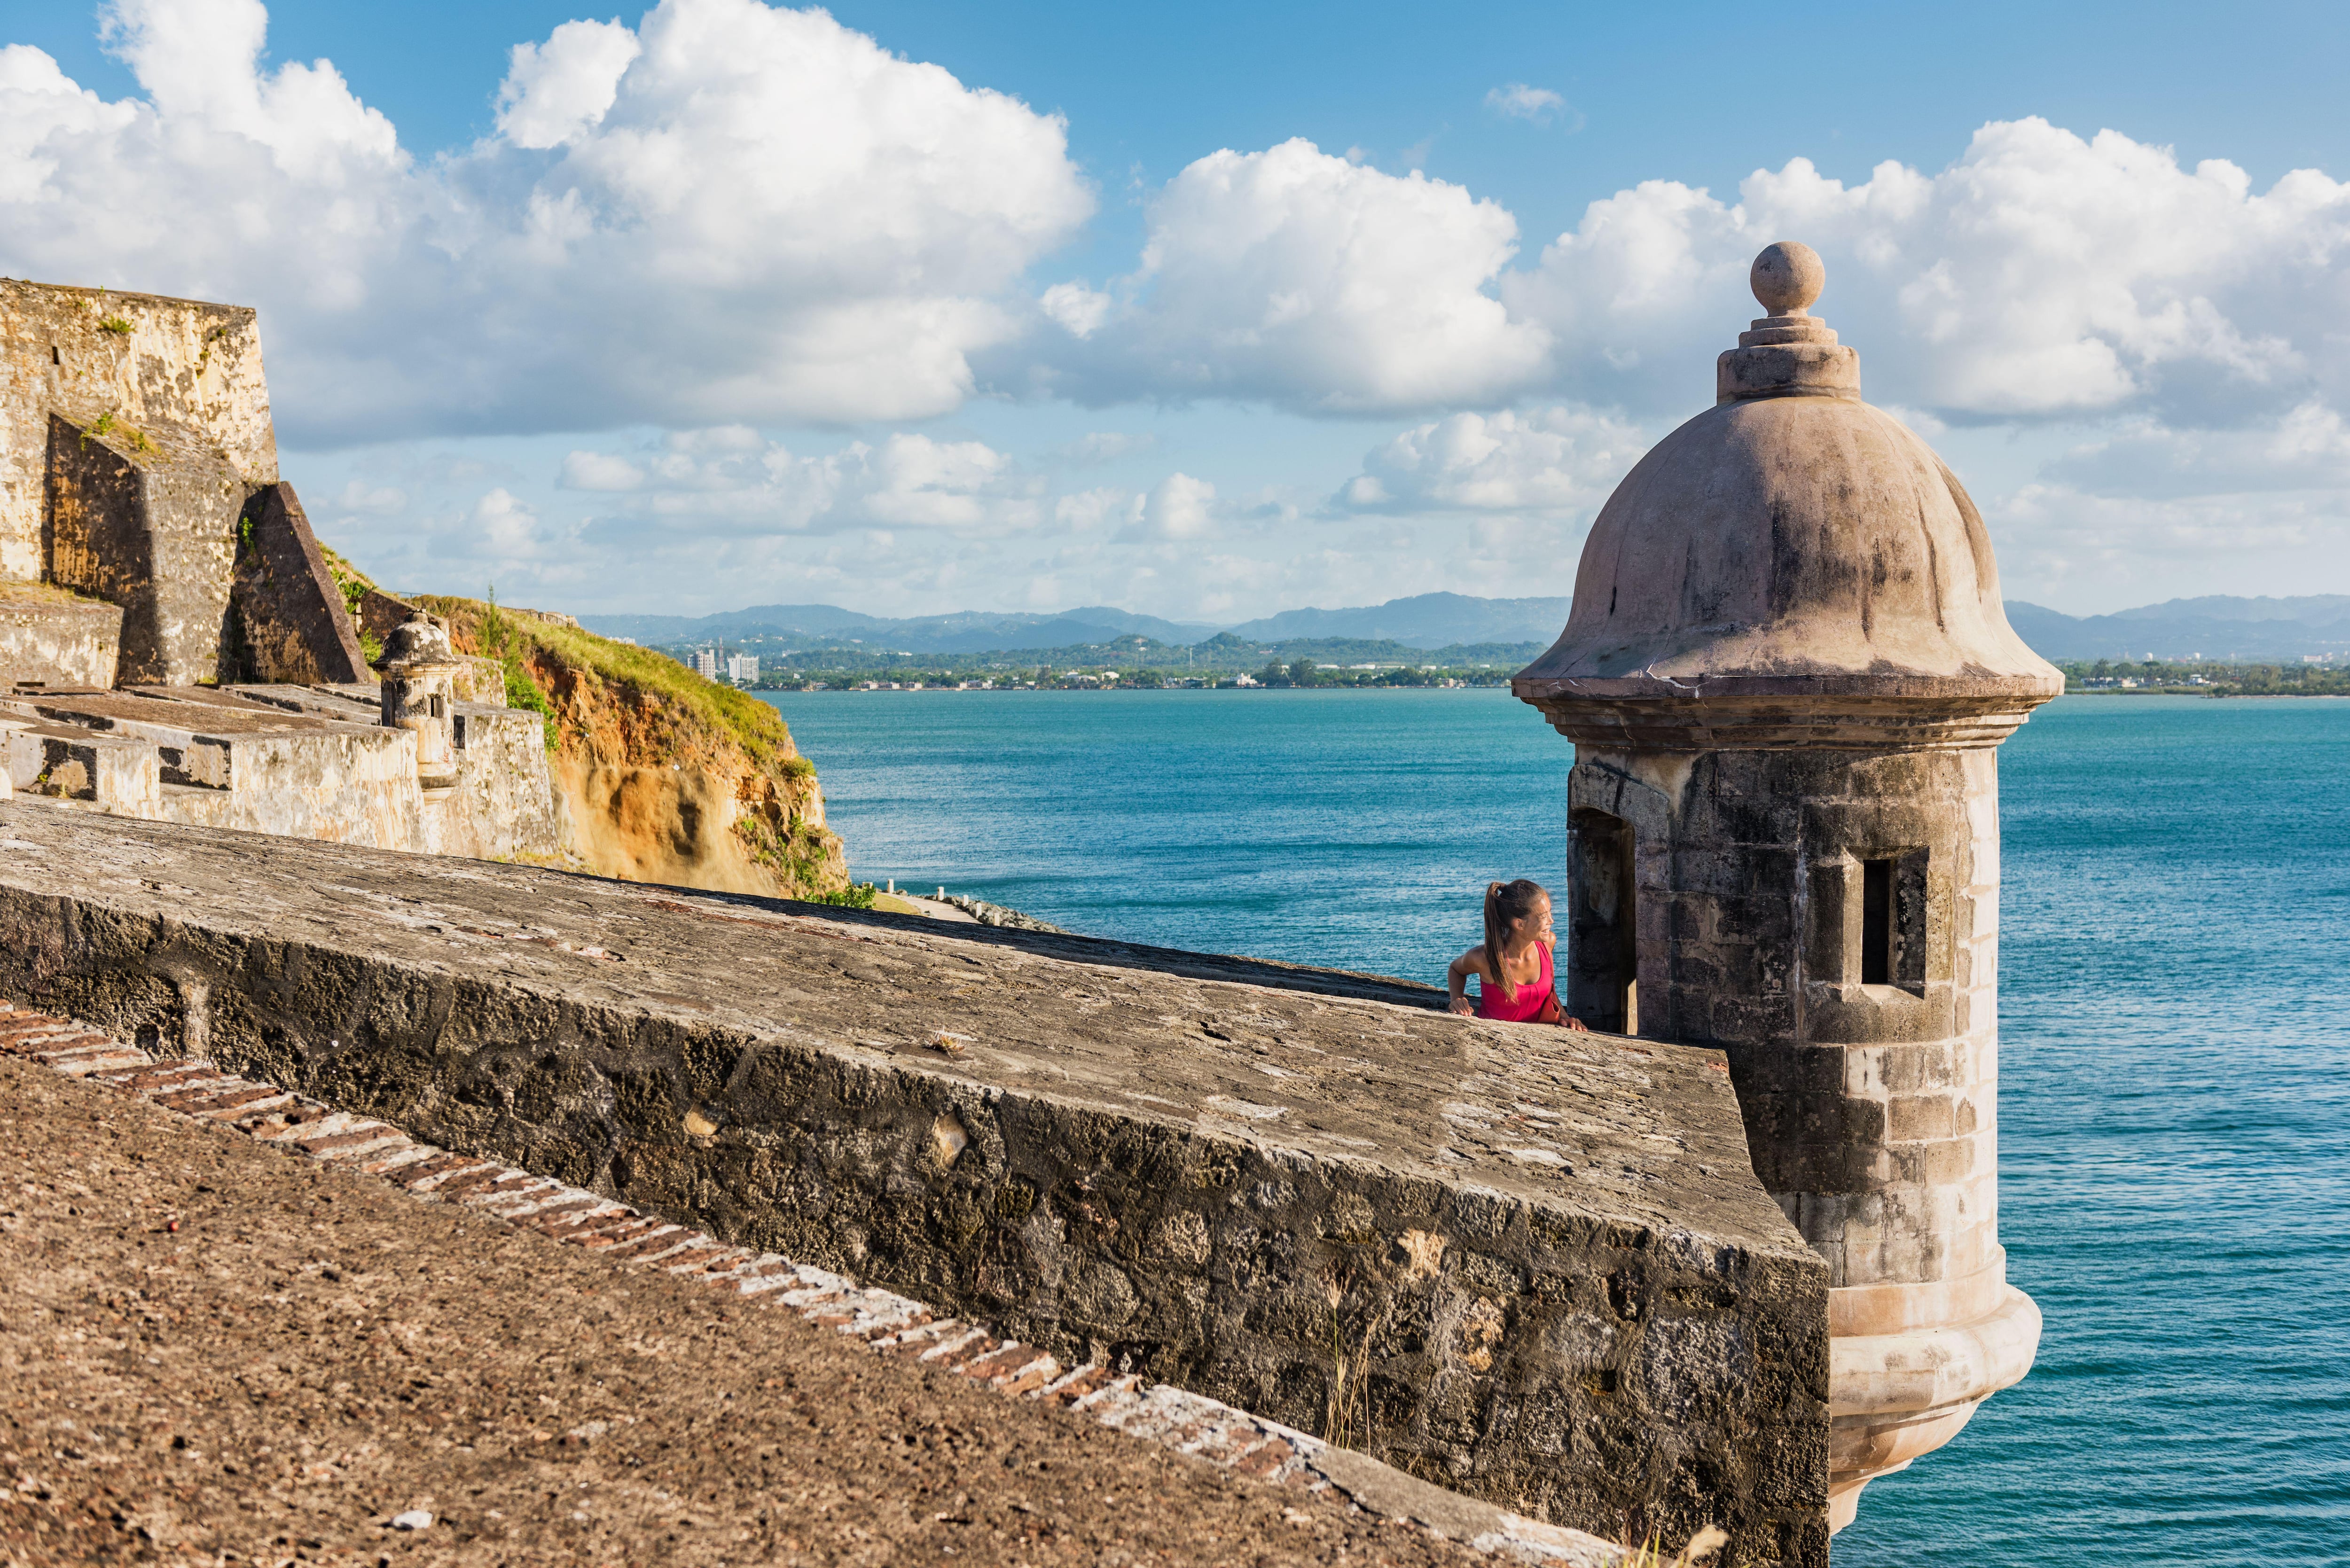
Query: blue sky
(713, 306)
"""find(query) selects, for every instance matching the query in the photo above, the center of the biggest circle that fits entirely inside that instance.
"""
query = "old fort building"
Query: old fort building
(1787, 672)
(174, 645)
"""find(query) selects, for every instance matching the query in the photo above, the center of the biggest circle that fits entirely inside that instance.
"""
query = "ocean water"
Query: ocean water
(2174, 1106)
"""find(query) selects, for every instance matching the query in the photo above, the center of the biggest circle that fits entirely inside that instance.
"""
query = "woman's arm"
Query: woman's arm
(1456, 978)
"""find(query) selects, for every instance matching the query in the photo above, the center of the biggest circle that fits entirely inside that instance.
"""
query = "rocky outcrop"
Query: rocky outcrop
(988, 914)
(665, 776)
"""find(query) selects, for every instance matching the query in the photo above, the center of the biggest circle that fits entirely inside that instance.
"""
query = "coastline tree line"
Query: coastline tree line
(1140, 661)
(1334, 663)
(2190, 678)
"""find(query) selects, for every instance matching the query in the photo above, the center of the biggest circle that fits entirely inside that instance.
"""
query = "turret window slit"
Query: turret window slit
(1876, 923)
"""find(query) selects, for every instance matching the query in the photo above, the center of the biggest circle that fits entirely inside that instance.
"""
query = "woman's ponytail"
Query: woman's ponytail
(1506, 903)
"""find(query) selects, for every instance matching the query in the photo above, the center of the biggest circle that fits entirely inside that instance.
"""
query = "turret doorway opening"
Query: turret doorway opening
(1603, 970)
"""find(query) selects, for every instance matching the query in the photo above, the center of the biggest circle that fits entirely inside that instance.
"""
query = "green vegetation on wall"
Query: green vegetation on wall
(354, 585)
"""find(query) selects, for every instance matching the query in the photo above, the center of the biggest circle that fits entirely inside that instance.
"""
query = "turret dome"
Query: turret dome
(1791, 563)
(419, 641)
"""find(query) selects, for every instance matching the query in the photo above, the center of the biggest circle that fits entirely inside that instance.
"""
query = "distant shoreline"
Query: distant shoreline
(2214, 696)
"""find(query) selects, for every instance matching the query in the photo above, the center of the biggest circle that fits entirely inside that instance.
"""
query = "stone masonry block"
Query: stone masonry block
(145, 518)
(1911, 1118)
(52, 636)
(291, 616)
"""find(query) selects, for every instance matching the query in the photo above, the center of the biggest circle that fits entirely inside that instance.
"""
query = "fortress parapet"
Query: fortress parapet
(1523, 1264)
(1785, 673)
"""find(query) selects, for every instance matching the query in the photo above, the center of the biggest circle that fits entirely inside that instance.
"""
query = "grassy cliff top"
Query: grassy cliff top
(544, 659)
(543, 652)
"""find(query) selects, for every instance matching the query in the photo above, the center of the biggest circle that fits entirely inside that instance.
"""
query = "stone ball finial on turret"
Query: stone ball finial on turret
(1790, 352)
(1787, 277)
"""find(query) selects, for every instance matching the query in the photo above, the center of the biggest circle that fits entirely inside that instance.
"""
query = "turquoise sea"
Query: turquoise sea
(2175, 1106)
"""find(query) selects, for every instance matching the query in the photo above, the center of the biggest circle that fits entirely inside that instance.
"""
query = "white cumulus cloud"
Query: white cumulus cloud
(1178, 508)
(731, 481)
(2307, 449)
(2042, 275)
(1298, 276)
(556, 89)
(599, 471)
(1079, 310)
(374, 500)
(731, 211)
(1533, 460)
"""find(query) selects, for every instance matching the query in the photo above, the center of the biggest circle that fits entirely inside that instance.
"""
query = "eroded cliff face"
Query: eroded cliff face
(666, 777)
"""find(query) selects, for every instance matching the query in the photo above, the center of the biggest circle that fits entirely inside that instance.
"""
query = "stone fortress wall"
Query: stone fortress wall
(115, 368)
(1526, 1264)
(173, 645)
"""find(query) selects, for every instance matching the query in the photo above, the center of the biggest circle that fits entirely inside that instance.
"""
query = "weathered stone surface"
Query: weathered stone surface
(53, 636)
(382, 614)
(504, 803)
(1530, 1264)
(227, 763)
(1852, 1092)
(294, 625)
(146, 517)
(113, 774)
(1791, 566)
(310, 763)
(882, 1323)
(91, 355)
(1785, 673)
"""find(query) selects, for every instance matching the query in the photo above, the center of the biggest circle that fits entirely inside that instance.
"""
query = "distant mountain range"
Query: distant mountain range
(795, 627)
(1423, 621)
(2215, 627)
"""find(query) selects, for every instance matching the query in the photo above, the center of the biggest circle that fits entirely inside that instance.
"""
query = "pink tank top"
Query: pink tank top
(1523, 1008)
